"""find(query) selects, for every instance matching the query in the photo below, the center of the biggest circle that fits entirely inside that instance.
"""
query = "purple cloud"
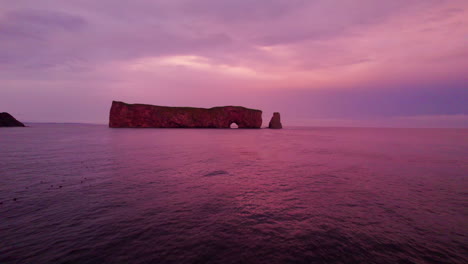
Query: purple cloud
(345, 52)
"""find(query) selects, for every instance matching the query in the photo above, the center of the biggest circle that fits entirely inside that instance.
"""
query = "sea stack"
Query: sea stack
(275, 121)
(124, 115)
(7, 120)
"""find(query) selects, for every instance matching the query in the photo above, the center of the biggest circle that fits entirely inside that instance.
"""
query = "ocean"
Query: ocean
(75, 193)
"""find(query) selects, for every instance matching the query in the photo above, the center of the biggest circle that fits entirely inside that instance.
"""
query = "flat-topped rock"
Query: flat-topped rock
(123, 115)
(7, 120)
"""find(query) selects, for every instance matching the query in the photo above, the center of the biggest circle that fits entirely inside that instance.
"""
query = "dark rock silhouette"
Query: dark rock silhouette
(7, 120)
(124, 115)
(275, 121)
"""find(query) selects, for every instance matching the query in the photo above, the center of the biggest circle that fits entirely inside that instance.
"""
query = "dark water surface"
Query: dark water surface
(90, 194)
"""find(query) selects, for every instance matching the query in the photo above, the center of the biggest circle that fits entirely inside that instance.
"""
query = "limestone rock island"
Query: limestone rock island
(7, 120)
(123, 115)
(275, 121)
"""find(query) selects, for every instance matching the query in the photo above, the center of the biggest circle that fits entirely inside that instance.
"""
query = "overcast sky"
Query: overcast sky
(397, 63)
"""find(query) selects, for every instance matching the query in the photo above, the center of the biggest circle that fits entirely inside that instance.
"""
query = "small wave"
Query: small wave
(215, 173)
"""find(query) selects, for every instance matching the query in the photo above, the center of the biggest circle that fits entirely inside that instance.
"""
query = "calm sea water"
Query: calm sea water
(90, 194)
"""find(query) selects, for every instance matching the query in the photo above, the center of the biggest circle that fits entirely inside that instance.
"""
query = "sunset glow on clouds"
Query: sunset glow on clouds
(354, 60)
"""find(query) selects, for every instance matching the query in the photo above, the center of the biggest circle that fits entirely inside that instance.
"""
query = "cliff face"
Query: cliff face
(7, 120)
(275, 121)
(141, 115)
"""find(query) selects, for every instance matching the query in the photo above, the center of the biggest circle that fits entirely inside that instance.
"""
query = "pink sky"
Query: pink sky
(324, 62)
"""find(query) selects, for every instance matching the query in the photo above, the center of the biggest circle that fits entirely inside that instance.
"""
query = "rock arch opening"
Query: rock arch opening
(234, 125)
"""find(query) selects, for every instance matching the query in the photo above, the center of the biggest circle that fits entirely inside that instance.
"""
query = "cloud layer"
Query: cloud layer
(222, 52)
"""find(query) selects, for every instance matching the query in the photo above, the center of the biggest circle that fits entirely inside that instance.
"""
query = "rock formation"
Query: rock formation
(141, 115)
(275, 121)
(7, 120)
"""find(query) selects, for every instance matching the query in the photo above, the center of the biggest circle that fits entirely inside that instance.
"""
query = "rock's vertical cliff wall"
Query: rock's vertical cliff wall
(7, 120)
(140, 115)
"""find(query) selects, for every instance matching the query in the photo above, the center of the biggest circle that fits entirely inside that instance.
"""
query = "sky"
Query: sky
(400, 63)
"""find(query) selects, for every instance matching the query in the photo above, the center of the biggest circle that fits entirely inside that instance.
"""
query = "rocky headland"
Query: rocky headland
(7, 120)
(123, 115)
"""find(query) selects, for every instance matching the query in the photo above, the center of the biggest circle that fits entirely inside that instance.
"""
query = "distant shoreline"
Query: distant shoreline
(28, 124)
